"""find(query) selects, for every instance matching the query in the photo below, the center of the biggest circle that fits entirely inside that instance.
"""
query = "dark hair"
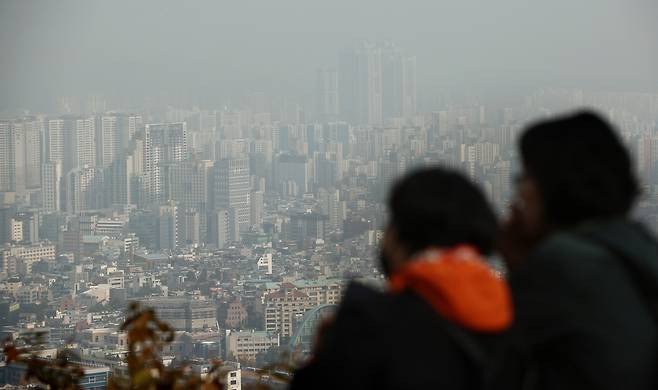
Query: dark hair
(581, 168)
(441, 208)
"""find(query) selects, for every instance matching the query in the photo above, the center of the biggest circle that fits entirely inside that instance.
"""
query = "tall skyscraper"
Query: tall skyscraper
(109, 136)
(163, 143)
(96, 104)
(371, 82)
(18, 155)
(361, 84)
(347, 86)
(115, 132)
(327, 94)
(30, 130)
(332, 207)
(231, 124)
(121, 180)
(79, 142)
(391, 80)
(54, 138)
(294, 174)
(135, 124)
(306, 227)
(219, 228)
(84, 189)
(257, 209)
(409, 92)
(190, 227)
(232, 189)
(51, 181)
(20, 152)
(168, 226)
(190, 183)
(314, 136)
(7, 157)
(85, 142)
(376, 82)
(647, 158)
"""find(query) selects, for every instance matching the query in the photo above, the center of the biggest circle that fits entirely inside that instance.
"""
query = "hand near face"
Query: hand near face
(525, 226)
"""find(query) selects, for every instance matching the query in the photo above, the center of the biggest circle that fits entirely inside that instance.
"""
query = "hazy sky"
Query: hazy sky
(217, 48)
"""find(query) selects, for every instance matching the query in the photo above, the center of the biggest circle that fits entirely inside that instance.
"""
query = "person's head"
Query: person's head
(435, 208)
(575, 169)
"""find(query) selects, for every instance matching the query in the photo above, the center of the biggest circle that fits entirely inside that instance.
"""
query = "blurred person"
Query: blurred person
(584, 276)
(432, 327)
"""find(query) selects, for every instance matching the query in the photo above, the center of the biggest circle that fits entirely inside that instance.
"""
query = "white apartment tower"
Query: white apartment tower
(163, 143)
(232, 189)
(54, 138)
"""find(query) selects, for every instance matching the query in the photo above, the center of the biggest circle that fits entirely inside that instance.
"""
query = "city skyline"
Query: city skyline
(229, 165)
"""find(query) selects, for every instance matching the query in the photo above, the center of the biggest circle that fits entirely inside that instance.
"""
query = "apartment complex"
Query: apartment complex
(245, 345)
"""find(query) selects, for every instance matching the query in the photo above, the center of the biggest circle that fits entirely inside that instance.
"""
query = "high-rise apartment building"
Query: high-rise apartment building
(7, 157)
(256, 215)
(114, 134)
(231, 124)
(20, 154)
(135, 124)
(190, 227)
(31, 129)
(306, 227)
(163, 143)
(327, 103)
(84, 189)
(54, 135)
(121, 179)
(219, 228)
(332, 207)
(376, 82)
(361, 84)
(232, 189)
(82, 144)
(294, 174)
(370, 83)
(52, 177)
(190, 183)
(107, 136)
(409, 90)
(283, 308)
(168, 226)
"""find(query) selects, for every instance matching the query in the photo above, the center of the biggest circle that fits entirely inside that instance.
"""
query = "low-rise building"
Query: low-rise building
(185, 313)
(284, 307)
(95, 377)
(245, 345)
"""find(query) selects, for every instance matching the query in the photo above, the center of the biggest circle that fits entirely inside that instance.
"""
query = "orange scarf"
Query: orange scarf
(459, 285)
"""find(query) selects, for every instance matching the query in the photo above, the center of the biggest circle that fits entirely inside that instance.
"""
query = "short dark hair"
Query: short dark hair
(436, 207)
(581, 168)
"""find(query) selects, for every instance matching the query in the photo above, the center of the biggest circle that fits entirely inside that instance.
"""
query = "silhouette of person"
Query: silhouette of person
(432, 326)
(584, 276)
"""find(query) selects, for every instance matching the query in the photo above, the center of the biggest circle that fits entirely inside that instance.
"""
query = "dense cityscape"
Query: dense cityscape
(241, 223)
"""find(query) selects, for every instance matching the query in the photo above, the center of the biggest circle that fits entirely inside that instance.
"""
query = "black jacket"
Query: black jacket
(386, 341)
(583, 317)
